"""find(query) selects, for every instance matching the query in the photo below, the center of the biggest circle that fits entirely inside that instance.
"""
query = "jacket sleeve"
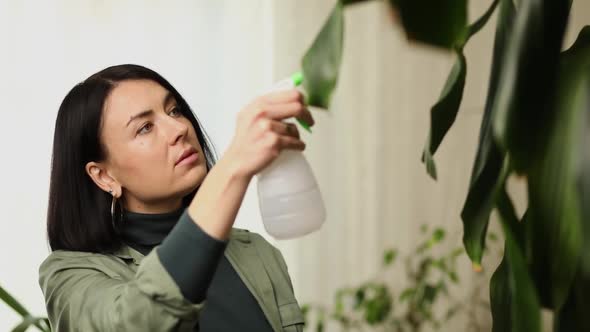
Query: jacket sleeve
(81, 296)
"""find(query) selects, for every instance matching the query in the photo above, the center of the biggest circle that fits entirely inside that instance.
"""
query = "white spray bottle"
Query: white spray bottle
(290, 201)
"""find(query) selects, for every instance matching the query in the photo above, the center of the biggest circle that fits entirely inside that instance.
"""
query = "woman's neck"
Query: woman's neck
(133, 205)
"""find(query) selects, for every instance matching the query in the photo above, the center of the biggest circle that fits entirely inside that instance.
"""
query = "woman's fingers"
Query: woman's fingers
(292, 143)
(287, 110)
(281, 142)
(283, 96)
(287, 129)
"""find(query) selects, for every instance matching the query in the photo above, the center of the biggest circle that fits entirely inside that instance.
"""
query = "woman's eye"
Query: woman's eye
(147, 127)
(176, 112)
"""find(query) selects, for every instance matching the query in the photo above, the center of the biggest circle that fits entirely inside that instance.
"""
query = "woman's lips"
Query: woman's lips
(189, 159)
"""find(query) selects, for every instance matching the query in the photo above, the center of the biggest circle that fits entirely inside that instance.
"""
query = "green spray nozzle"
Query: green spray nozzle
(297, 79)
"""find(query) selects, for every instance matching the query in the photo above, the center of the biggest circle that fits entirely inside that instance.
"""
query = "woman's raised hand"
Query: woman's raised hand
(260, 134)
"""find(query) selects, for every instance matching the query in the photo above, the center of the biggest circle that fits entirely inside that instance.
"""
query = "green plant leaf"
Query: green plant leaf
(13, 303)
(28, 321)
(520, 293)
(482, 21)
(20, 309)
(438, 235)
(321, 63)
(305, 311)
(437, 23)
(555, 234)
(500, 298)
(407, 294)
(359, 297)
(430, 293)
(489, 159)
(524, 109)
(444, 112)
(389, 257)
(378, 307)
(574, 314)
(319, 326)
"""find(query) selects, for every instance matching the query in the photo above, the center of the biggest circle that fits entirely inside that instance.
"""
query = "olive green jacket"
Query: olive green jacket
(130, 292)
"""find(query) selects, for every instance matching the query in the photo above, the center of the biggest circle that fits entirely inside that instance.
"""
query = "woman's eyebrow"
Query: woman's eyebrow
(169, 97)
(139, 115)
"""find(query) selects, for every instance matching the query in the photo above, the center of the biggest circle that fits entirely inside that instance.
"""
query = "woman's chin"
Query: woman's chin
(193, 179)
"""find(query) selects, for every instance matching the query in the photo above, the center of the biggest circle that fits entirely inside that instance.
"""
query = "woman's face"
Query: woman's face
(145, 134)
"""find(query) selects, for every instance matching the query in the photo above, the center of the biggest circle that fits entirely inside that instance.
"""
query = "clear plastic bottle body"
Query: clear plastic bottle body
(290, 202)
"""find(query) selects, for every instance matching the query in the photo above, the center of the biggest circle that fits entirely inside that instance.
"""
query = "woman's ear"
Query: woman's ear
(100, 176)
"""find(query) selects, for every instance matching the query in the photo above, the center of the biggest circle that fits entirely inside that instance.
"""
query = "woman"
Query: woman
(140, 215)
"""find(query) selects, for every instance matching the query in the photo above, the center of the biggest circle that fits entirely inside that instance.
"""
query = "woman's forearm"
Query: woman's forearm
(216, 204)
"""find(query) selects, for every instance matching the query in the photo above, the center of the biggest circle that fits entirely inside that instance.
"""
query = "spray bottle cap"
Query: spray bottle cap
(296, 79)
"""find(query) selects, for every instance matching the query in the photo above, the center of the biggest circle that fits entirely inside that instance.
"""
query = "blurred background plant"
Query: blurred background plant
(429, 296)
(41, 323)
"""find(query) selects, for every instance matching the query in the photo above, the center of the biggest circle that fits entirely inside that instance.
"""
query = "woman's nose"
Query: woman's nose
(176, 130)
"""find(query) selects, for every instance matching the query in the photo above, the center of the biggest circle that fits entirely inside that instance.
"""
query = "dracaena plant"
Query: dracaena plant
(536, 125)
(28, 320)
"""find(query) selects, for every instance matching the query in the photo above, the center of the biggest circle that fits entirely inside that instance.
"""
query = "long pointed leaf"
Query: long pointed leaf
(574, 314)
(500, 298)
(321, 63)
(489, 159)
(444, 112)
(13, 303)
(556, 235)
(525, 309)
(438, 23)
(524, 102)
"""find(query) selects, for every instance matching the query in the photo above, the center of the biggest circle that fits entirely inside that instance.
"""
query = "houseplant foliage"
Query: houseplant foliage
(29, 320)
(535, 125)
(431, 282)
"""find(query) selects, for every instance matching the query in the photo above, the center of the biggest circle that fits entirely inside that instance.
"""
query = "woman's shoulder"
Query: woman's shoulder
(71, 256)
(61, 260)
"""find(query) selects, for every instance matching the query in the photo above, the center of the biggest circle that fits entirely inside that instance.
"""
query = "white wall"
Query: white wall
(216, 53)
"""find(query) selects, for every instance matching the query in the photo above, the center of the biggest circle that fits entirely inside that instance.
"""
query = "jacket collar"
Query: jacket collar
(243, 254)
(237, 235)
(127, 253)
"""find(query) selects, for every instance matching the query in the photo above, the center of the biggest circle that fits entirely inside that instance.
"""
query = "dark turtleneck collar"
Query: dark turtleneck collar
(143, 231)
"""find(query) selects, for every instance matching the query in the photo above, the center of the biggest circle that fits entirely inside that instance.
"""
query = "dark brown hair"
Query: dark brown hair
(78, 215)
